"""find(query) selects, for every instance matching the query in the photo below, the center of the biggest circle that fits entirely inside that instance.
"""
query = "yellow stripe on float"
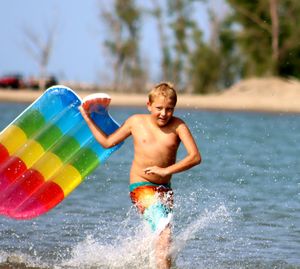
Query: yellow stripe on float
(31, 152)
(48, 165)
(13, 137)
(68, 179)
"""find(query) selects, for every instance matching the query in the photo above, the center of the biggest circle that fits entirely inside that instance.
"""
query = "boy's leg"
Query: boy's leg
(162, 249)
(156, 203)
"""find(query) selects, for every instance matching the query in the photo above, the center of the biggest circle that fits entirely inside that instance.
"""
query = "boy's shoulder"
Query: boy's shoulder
(140, 119)
(136, 119)
(177, 120)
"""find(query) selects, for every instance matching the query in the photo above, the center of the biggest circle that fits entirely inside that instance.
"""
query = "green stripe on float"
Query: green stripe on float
(49, 136)
(67, 147)
(27, 120)
(85, 161)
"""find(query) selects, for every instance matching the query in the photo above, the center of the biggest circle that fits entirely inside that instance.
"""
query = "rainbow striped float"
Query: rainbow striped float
(47, 151)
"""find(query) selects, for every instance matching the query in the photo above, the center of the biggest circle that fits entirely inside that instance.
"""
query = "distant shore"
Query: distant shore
(231, 100)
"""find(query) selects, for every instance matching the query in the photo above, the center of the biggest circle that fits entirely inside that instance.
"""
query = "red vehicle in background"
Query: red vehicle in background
(16, 81)
(33, 83)
(12, 81)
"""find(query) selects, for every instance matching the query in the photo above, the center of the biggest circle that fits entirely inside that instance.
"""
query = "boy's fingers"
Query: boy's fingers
(147, 170)
(83, 111)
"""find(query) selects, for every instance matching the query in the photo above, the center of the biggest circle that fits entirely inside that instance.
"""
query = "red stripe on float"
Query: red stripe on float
(10, 171)
(20, 190)
(3, 153)
(48, 196)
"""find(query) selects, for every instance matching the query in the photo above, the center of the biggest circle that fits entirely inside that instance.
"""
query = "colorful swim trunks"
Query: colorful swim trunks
(154, 202)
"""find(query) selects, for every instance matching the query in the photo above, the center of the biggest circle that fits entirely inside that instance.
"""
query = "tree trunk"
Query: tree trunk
(275, 34)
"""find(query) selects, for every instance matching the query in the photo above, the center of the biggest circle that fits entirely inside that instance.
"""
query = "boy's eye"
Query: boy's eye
(169, 109)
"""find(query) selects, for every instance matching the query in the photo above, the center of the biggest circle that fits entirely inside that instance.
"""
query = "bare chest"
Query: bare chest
(155, 138)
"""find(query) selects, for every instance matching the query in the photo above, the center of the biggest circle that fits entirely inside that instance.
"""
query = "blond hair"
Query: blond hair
(165, 89)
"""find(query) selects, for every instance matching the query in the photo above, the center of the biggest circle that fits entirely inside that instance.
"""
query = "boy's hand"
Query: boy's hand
(156, 170)
(81, 109)
(83, 112)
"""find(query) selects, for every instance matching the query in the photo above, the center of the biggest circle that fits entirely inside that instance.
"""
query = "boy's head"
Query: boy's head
(161, 103)
(165, 89)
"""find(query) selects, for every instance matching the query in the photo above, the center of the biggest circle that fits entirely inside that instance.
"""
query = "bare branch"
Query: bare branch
(40, 50)
(253, 18)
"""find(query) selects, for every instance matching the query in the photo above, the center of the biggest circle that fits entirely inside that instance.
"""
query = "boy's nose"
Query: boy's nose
(163, 112)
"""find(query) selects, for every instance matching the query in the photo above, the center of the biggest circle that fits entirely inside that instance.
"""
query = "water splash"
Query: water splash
(20, 260)
(136, 251)
(219, 215)
(128, 252)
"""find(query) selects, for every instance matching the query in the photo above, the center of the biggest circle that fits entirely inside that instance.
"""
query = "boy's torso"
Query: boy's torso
(153, 146)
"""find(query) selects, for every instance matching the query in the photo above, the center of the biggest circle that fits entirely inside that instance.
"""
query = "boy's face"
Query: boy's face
(161, 110)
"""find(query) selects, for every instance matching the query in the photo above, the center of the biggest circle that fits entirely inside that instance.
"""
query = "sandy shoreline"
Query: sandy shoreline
(245, 96)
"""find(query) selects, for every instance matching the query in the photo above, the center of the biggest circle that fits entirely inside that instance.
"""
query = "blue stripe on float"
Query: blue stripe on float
(60, 106)
(56, 100)
(107, 124)
(101, 152)
(70, 120)
(82, 133)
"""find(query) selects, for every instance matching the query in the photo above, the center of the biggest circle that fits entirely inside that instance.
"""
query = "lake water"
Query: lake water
(239, 209)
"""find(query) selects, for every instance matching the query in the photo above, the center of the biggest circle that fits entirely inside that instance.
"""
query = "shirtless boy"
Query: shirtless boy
(156, 138)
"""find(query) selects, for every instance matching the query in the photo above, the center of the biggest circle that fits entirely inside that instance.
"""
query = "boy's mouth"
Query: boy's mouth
(162, 119)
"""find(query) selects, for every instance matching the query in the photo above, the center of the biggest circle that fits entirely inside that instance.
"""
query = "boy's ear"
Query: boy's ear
(149, 106)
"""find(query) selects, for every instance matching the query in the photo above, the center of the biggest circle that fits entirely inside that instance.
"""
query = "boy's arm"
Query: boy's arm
(192, 158)
(107, 141)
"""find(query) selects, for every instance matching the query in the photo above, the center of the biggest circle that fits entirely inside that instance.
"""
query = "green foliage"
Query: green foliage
(181, 24)
(123, 43)
(214, 64)
(254, 19)
(129, 15)
(194, 63)
(204, 71)
(255, 36)
(230, 58)
(289, 12)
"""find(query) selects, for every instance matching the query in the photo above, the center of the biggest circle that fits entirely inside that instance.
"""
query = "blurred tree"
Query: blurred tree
(215, 63)
(254, 39)
(267, 35)
(275, 33)
(193, 63)
(158, 13)
(177, 19)
(231, 68)
(289, 38)
(182, 24)
(203, 66)
(40, 48)
(123, 22)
